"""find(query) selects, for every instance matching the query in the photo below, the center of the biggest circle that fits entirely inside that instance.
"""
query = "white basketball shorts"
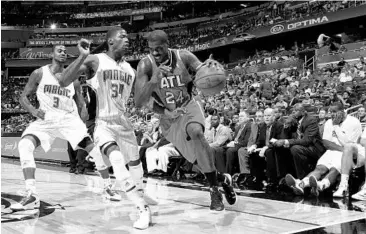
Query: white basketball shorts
(67, 126)
(119, 130)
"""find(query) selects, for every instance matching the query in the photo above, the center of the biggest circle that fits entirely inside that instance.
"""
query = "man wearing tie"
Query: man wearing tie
(229, 160)
(243, 154)
(261, 153)
(220, 135)
(307, 148)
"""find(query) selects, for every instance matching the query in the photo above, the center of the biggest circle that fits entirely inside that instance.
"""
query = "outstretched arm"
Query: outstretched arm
(80, 65)
(30, 88)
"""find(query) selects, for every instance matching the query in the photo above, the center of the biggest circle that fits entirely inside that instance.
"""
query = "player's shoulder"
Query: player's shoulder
(145, 64)
(37, 73)
(184, 54)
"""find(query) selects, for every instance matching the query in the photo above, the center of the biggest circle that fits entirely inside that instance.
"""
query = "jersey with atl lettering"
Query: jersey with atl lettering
(112, 83)
(173, 89)
(53, 97)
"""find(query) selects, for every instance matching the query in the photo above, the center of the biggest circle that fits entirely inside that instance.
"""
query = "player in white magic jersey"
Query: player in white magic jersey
(113, 79)
(57, 116)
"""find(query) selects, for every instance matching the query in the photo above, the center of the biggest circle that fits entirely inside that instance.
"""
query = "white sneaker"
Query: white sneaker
(342, 191)
(295, 184)
(360, 195)
(111, 195)
(29, 202)
(144, 220)
(316, 188)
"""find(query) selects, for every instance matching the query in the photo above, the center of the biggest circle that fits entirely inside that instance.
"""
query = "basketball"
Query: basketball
(210, 80)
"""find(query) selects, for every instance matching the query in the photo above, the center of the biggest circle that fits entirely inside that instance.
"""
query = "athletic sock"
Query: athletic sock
(212, 178)
(306, 182)
(137, 174)
(324, 184)
(344, 179)
(30, 184)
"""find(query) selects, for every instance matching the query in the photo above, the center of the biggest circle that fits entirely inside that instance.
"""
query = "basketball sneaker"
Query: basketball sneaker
(216, 199)
(360, 195)
(229, 192)
(29, 202)
(109, 194)
(296, 185)
(342, 191)
(144, 219)
(316, 187)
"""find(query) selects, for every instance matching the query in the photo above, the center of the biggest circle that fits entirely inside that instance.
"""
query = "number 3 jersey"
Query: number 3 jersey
(52, 97)
(174, 88)
(112, 83)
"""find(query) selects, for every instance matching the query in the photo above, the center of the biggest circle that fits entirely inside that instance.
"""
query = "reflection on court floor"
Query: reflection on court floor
(72, 204)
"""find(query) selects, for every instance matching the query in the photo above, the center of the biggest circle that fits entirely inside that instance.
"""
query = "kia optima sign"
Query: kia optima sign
(277, 29)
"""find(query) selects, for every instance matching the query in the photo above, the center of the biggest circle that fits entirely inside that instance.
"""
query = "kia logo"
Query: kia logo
(277, 28)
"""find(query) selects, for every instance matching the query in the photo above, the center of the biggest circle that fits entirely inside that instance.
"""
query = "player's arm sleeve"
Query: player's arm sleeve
(76, 68)
(143, 88)
(29, 89)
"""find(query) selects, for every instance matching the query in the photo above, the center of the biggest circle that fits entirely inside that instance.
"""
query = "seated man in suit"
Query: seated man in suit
(340, 130)
(283, 163)
(229, 159)
(308, 147)
(218, 136)
(243, 154)
(261, 151)
(278, 112)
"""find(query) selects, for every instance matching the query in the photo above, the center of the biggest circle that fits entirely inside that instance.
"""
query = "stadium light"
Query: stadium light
(53, 26)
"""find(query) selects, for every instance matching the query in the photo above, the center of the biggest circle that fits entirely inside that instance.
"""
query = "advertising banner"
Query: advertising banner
(310, 21)
(58, 151)
(268, 67)
(126, 12)
(45, 53)
(63, 41)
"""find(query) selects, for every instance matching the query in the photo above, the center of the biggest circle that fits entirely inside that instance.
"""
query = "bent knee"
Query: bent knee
(195, 131)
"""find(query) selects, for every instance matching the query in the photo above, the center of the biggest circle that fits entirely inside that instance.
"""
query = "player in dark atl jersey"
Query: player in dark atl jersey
(166, 75)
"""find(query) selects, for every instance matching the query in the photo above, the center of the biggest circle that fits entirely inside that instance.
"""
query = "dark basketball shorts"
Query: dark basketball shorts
(175, 130)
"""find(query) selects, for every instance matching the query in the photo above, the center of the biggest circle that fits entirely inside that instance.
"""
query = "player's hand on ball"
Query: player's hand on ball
(39, 114)
(84, 47)
(210, 62)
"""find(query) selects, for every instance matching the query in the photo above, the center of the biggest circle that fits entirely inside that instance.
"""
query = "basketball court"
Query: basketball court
(72, 204)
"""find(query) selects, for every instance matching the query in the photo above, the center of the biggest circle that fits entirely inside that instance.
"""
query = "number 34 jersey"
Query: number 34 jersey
(52, 97)
(112, 83)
